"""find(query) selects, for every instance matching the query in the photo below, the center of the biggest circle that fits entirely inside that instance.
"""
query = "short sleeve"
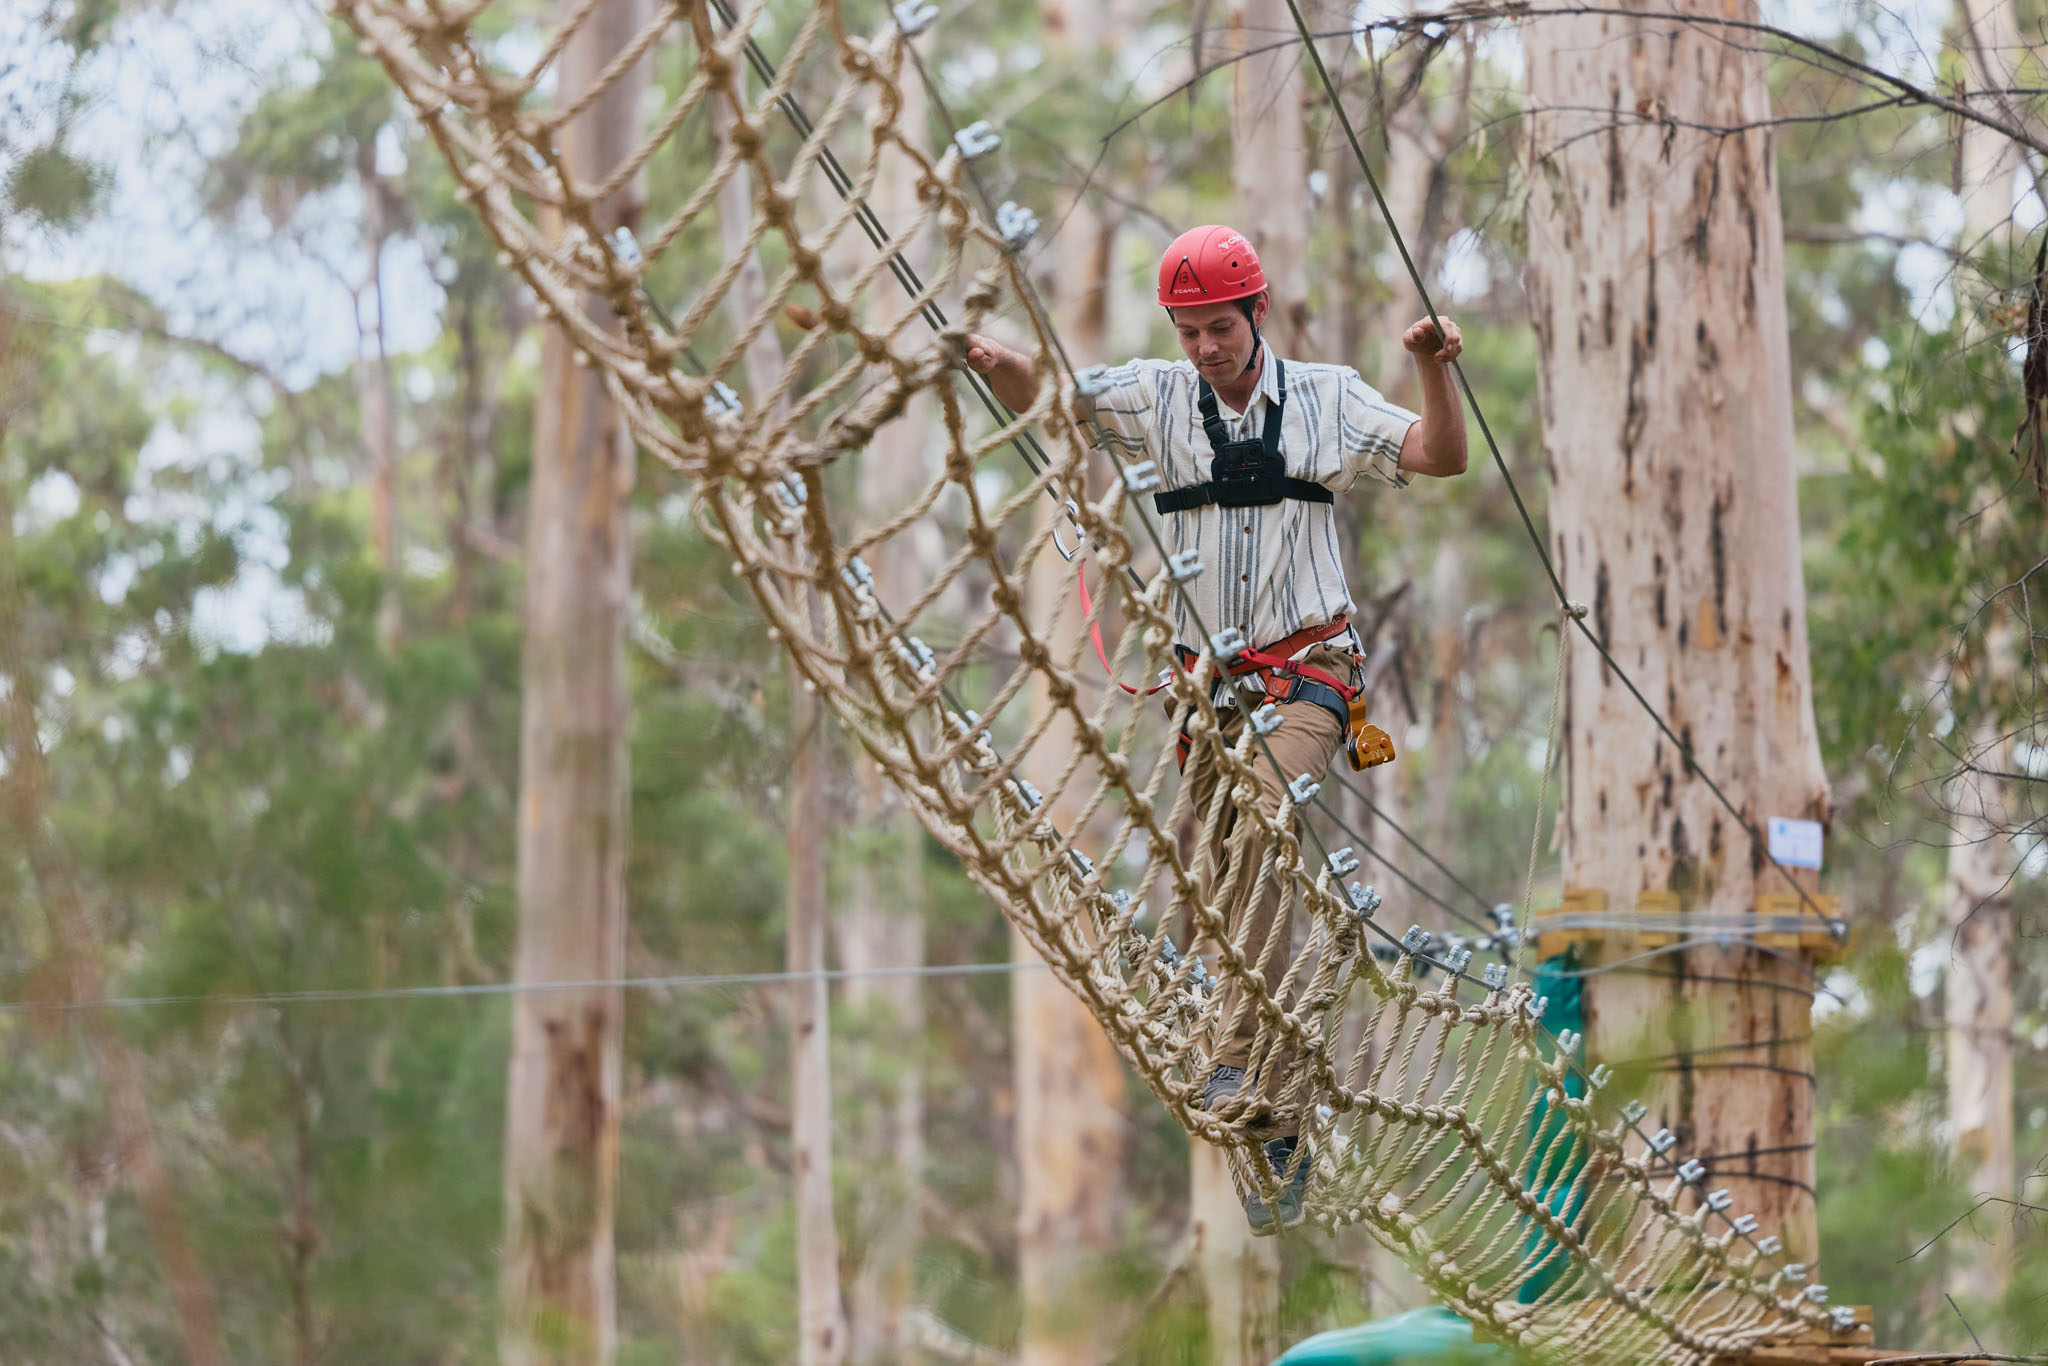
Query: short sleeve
(1371, 429)
(1121, 413)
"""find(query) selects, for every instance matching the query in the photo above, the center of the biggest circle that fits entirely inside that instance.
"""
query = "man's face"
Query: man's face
(1217, 338)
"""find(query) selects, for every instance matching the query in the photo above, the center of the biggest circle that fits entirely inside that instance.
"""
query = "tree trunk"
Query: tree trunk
(562, 1107)
(1656, 273)
(821, 1318)
(821, 1321)
(882, 926)
(1070, 1083)
(1977, 907)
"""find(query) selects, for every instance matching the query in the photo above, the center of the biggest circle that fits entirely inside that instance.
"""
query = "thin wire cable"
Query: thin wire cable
(687, 982)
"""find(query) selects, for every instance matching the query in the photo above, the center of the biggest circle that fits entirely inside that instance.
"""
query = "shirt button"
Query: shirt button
(1247, 528)
(1244, 578)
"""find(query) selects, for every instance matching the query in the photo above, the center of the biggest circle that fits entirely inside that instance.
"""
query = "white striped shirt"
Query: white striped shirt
(1269, 571)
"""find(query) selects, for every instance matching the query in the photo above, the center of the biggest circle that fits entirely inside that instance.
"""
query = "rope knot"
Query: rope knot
(1577, 611)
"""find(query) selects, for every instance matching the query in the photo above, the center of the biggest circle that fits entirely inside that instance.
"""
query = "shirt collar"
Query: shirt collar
(1269, 382)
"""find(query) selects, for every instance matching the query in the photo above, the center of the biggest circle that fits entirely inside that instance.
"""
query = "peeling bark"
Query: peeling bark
(557, 1289)
(1674, 508)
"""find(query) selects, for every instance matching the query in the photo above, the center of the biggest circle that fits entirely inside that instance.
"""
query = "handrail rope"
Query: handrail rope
(1514, 490)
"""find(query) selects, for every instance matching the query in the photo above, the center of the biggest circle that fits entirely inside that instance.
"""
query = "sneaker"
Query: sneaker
(1223, 1083)
(1286, 1211)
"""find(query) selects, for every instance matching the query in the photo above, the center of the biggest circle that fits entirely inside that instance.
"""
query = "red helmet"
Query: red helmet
(1209, 265)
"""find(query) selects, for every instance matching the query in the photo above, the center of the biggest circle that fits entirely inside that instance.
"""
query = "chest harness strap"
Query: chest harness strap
(1243, 474)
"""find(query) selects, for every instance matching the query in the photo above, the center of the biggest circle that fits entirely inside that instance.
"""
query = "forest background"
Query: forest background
(266, 430)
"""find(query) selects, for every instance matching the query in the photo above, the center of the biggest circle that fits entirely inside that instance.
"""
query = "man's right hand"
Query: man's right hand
(1008, 372)
(985, 354)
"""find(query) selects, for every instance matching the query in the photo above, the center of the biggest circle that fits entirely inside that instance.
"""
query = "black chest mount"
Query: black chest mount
(1243, 474)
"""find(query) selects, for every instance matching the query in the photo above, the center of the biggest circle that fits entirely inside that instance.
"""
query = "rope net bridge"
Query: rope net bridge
(867, 501)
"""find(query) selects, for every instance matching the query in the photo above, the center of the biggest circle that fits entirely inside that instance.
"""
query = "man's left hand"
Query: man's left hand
(1421, 340)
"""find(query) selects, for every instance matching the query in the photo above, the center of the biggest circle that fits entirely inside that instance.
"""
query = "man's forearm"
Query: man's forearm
(1014, 382)
(1443, 422)
(1009, 374)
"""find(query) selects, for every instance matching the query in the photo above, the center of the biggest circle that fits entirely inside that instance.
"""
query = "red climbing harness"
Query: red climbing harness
(1365, 744)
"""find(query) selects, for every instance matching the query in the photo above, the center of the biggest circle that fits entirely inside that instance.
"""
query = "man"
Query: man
(1249, 449)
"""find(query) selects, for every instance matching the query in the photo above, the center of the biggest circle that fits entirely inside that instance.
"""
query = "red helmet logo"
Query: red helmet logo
(1211, 264)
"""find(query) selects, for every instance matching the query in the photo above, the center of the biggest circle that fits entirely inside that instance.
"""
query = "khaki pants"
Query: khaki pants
(1308, 738)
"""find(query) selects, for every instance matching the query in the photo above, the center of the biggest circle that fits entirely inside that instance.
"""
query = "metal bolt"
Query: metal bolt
(1632, 1112)
(1092, 381)
(1457, 959)
(1227, 644)
(1183, 566)
(1719, 1201)
(625, 245)
(1016, 224)
(1691, 1170)
(1266, 720)
(1343, 862)
(1030, 793)
(1495, 976)
(1416, 940)
(1142, 477)
(1662, 1142)
(913, 18)
(1745, 1224)
(724, 399)
(1303, 789)
(1364, 900)
(1599, 1076)
(977, 139)
(857, 574)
